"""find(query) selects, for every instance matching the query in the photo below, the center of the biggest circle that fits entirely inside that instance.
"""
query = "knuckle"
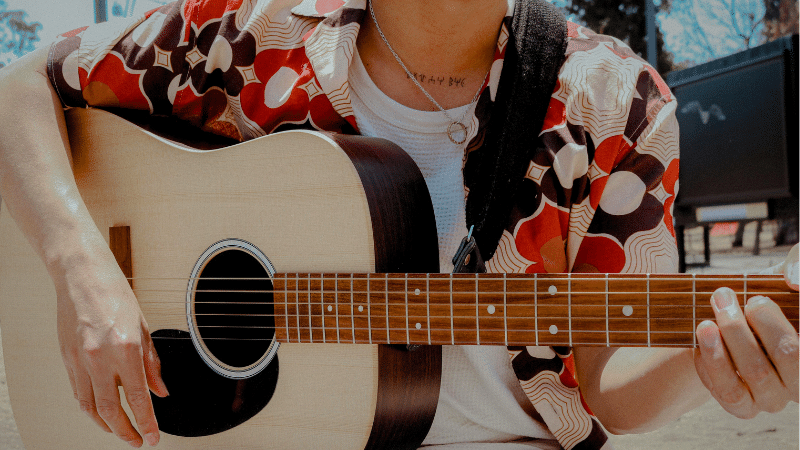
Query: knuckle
(107, 409)
(787, 349)
(87, 406)
(138, 399)
(755, 373)
(128, 346)
(733, 326)
(731, 396)
(92, 349)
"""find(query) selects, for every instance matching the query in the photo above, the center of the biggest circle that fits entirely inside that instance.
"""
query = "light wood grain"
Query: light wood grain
(174, 202)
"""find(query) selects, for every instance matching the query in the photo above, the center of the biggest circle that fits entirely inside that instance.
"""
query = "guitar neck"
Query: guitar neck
(508, 309)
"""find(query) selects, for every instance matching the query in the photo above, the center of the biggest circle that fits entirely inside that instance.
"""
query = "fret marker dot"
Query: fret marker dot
(552, 290)
(490, 309)
(416, 292)
(553, 329)
(418, 325)
(627, 310)
(360, 309)
(330, 308)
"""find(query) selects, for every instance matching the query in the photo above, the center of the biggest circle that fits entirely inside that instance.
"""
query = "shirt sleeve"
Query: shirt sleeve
(133, 63)
(599, 189)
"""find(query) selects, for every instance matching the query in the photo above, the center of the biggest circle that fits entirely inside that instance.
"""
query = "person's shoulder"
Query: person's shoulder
(603, 79)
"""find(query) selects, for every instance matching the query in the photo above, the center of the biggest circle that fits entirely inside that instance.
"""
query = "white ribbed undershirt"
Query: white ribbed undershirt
(481, 400)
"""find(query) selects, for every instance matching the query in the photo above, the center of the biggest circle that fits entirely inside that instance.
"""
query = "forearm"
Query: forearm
(635, 390)
(36, 181)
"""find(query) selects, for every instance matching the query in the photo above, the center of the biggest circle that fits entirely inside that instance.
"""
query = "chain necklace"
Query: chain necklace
(456, 131)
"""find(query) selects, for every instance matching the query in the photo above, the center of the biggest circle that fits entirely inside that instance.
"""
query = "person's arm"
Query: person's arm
(103, 336)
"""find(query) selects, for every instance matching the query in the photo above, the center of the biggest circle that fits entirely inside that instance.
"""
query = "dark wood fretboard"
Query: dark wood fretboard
(498, 309)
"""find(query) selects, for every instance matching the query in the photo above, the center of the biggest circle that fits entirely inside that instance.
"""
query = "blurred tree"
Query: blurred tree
(701, 30)
(16, 34)
(623, 19)
(780, 18)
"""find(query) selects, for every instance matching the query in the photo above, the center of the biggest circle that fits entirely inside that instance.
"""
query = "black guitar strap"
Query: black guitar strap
(536, 50)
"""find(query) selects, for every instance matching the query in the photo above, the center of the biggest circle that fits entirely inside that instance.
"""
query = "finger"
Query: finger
(72, 384)
(719, 372)
(138, 396)
(748, 357)
(85, 396)
(778, 337)
(109, 407)
(152, 367)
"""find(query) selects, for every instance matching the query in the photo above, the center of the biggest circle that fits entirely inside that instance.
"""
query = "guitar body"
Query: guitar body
(306, 201)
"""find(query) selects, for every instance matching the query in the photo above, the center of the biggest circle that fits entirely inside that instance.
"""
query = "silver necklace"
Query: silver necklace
(456, 131)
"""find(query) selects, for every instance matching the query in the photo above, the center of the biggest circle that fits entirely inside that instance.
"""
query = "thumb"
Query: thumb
(152, 367)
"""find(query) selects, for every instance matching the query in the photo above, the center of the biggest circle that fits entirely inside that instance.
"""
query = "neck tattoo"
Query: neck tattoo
(456, 131)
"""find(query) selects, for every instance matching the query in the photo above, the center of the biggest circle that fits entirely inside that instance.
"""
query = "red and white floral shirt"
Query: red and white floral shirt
(597, 196)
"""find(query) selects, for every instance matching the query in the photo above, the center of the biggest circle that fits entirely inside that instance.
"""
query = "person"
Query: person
(596, 197)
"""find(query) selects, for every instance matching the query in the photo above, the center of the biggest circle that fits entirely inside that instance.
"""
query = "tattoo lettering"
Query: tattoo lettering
(440, 81)
(458, 82)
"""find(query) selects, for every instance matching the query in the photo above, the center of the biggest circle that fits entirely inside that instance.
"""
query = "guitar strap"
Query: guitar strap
(534, 55)
(536, 51)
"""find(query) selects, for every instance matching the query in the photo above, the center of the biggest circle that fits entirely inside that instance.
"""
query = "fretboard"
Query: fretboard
(508, 309)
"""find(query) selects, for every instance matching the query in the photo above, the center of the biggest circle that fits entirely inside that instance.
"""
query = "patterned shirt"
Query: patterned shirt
(597, 196)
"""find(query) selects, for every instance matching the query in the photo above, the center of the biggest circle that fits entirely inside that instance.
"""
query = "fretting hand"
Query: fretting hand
(749, 359)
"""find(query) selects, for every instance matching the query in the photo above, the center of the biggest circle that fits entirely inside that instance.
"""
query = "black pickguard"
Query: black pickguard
(202, 402)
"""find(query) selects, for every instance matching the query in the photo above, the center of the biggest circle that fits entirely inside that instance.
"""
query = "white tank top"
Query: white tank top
(481, 404)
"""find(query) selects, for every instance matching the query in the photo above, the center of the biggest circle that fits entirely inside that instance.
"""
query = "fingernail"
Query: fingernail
(152, 439)
(707, 339)
(757, 300)
(725, 300)
(164, 387)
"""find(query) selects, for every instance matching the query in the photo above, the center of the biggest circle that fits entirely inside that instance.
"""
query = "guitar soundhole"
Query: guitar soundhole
(233, 308)
(230, 310)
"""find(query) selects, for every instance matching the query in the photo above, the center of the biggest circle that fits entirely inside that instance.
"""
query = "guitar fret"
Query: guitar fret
(352, 310)
(648, 310)
(477, 313)
(336, 299)
(308, 298)
(408, 331)
(608, 332)
(428, 303)
(297, 305)
(745, 290)
(536, 306)
(369, 311)
(386, 295)
(505, 309)
(322, 304)
(452, 328)
(286, 306)
(569, 306)
(694, 310)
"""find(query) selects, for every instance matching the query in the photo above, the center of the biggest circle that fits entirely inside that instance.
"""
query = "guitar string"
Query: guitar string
(485, 277)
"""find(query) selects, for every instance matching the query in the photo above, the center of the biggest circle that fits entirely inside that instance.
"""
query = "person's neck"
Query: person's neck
(451, 41)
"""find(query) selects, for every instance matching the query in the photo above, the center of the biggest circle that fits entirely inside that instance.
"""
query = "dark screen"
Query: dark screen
(733, 136)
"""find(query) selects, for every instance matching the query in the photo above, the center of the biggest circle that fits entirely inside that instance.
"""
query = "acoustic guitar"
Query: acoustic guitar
(291, 287)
